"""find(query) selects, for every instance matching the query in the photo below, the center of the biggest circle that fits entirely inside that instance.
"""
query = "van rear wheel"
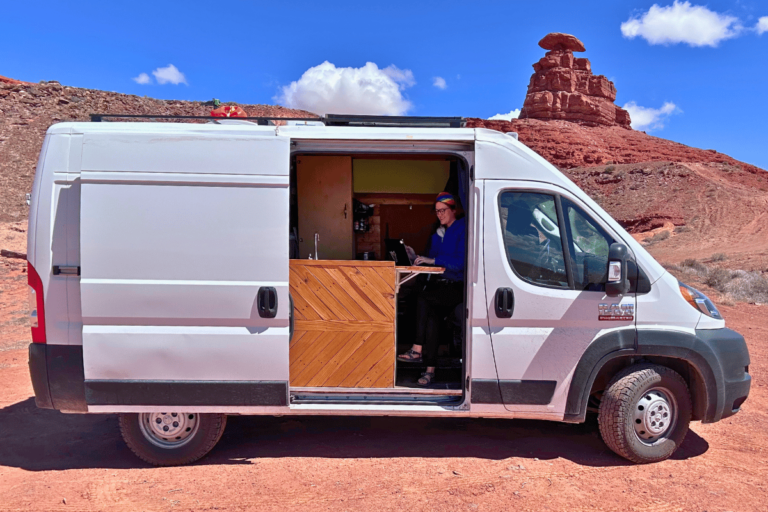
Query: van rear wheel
(171, 438)
(645, 412)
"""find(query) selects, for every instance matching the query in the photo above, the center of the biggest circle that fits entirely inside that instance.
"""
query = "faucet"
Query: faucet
(317, 239)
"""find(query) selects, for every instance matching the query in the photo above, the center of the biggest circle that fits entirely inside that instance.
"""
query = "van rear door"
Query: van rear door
(184, 269)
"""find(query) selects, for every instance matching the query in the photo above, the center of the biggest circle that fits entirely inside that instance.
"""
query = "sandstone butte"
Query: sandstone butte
(563, 87)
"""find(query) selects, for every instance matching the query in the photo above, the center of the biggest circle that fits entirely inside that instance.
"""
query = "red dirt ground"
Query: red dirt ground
(52, 461)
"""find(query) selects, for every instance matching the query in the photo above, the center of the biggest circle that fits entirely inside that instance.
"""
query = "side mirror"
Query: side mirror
(618, 282)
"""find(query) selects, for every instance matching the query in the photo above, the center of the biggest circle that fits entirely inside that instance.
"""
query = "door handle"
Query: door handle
(267, 302)
(505, 302)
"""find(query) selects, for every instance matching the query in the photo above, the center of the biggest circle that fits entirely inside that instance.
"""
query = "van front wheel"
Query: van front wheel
(171, 438)
(645, 412)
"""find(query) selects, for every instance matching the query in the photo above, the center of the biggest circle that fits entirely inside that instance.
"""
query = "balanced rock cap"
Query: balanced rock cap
(558, 41)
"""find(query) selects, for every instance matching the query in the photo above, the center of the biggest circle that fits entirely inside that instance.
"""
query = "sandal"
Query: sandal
(426, 379)
(410, 357)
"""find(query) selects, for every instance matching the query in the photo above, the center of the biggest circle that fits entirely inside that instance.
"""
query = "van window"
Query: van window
(532, 238)
(589, 252)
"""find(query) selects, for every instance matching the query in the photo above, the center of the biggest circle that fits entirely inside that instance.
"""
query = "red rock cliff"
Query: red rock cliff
(563, 87)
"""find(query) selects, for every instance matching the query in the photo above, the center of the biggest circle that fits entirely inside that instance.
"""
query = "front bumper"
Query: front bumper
(729, 350)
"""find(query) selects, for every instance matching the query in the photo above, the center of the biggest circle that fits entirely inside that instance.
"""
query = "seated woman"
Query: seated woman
(440, 296)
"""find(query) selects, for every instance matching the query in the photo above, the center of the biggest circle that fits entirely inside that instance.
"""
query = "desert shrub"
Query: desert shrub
(748, 287)
(609, 169)
(718, 278)
(682, 229)
(694, 264)
(727, 299)
(720, 256)
(658, 237)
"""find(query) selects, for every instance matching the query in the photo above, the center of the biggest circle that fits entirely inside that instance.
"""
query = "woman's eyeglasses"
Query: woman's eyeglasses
(440, 211)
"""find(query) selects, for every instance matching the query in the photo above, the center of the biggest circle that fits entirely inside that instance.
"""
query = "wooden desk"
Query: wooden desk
(405, 274)
(344, 324)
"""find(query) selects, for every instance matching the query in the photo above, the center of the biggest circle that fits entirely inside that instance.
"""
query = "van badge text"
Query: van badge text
(615, 312)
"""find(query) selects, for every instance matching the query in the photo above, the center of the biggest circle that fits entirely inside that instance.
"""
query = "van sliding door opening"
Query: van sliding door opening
(351, 314)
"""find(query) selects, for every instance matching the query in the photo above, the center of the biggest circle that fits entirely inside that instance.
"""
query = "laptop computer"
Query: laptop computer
(396, 250)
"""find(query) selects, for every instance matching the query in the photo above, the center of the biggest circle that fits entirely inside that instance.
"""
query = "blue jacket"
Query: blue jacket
(448, 251)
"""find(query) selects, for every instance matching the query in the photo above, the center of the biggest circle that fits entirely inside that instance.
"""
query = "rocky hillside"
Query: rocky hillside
(706, 201)
(568, 144)
(27, 110)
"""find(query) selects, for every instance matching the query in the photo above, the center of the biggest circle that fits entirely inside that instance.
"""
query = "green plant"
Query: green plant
(719, 256)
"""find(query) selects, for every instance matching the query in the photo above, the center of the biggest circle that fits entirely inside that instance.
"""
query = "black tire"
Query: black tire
(634, 404)
(201, 437)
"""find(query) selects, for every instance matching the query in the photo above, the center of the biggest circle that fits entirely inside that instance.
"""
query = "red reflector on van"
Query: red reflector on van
(37, 307)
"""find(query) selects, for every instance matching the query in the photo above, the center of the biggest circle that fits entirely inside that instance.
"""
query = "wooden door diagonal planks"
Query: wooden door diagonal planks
(344, 324)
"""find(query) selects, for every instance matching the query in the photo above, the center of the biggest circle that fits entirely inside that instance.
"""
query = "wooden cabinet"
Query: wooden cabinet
(324, 197)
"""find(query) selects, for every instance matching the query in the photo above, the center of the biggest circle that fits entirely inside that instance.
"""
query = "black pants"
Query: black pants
(438, 300)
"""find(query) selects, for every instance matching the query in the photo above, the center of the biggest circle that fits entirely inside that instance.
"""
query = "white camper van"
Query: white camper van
(181, 272)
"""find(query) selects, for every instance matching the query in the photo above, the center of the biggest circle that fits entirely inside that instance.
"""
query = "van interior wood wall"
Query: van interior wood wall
(344, 324)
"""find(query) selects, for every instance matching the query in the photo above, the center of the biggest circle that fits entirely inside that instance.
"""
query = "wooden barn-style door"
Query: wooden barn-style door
(344, 324)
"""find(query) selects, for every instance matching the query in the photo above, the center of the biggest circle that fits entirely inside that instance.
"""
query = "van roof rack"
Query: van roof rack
(415, 121)
(328, 120)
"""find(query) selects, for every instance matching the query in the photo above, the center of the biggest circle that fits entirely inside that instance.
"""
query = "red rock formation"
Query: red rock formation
(6, 80)
(563, 87)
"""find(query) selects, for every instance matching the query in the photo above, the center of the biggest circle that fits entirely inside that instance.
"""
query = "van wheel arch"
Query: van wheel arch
(685, 369)
(612, 352)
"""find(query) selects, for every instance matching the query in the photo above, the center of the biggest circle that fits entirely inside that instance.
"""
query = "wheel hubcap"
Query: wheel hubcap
(168, 429)
(654, 416)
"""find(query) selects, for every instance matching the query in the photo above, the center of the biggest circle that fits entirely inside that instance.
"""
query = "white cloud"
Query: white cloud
(762, 25)
(439, 82)
(169, 75)
(403, 77)
(506, 117)
(682, 22)
(369, 90)
(644, 118)
(142, 79)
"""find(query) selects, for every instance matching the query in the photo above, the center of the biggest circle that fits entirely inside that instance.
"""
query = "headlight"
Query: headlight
(699, 301)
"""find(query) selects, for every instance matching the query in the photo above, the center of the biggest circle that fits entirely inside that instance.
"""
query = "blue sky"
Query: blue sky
(249, 51)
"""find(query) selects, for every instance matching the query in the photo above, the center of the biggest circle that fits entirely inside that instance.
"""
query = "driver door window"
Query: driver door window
(532, 238)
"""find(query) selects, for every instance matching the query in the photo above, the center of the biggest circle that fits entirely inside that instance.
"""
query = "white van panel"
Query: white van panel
(147, 232)
(195, 353)
(184, 152)
(664, 306)
(177, 236)
(52, 240)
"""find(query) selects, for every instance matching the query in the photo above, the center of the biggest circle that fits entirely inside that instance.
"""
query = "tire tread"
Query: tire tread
(616, 405)
(139, 446)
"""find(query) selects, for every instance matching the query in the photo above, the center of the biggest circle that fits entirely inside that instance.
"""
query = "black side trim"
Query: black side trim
(65, 377)
(527, 392)
(604, 348)
(485, 391)
(38, 371)
(133, 392)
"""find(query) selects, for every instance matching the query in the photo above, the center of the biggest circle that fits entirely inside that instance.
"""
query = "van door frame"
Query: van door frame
(463, 151)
